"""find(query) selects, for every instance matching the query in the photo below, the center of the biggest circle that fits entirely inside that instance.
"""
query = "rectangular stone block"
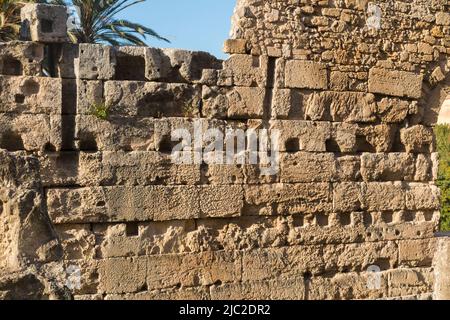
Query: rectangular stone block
(423, 196)
(373, 196)
(221, 201)
(114, 204)
(281, 263)
(287, 104)
(307, 167)
(287, 199)
(341, 107)
(302, 135)
(152, 99)
(233, 103)
(395, 83)
(44, 23)
(95, 134)
(305, 74)
(31, 95)
(417, 253)
(122, 275)
(410, 282)
(95, 62)
(247, 70)
(146, 168)
(275, 289)
(31, 132)
(189, 270)
(90, 95)
(235, 46)
(347, 286)
(388, 167)
(21, 58)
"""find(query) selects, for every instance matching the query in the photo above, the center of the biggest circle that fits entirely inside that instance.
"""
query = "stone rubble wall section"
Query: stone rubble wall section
(355, 188)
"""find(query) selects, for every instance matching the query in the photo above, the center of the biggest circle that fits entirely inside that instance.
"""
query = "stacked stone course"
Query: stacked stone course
(355, 108)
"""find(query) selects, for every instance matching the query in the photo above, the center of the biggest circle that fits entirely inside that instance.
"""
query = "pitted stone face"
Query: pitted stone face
(352, 87)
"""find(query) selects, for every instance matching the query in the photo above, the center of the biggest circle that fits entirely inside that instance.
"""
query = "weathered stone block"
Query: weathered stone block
(417, 139)
(119, 203)
(302, 135)
(417, 253)
(236, 103)
(236, 46)
(395, 83)
(31, 95)
(307, 167)
(305, 74)
(95, 62)
(341, 107)
(221, 201)
(287, 104)
(122, 275)
(287, 199)
(44, 23)
(247, 70)
(150, 99)
(387, 167)
(21, 58)
(188, 270)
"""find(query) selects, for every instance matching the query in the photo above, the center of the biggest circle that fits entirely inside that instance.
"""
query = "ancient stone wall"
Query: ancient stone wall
(354, 105)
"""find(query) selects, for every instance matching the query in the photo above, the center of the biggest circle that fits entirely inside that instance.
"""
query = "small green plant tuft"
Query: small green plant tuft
(100, 110)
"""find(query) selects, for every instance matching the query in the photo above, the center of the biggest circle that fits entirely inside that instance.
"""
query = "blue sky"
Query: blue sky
(188, 24)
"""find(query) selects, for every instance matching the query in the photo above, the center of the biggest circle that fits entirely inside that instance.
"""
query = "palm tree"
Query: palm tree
(98, 23)
(10, 19)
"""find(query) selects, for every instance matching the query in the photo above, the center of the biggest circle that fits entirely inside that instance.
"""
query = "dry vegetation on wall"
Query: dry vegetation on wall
(443, 141)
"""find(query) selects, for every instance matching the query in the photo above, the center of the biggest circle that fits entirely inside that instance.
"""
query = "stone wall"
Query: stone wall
(355, 188)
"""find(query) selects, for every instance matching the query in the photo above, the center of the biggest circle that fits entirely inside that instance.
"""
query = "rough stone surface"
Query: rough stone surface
(87, 178)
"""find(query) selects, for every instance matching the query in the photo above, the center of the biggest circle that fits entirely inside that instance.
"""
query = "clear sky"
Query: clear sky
(189, 24)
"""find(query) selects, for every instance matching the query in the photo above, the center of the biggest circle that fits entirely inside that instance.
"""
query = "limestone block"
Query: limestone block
(31, 95)
(281, 263)
(341, 107)
(425, 168)
(417, 139)
(122, 275)
(235, 103)
(123, 203)
(21, 58)
(306, 74)
(307, 167)
(151, 99)
(188, 66)
(71, 168)
(221, 201)
(287, 104)
(302, 135)
(417, 253)
(95, 62)
(407, 282)
(393, 110)
(29, 132)
(188, 270)
(387, 167)
(145, 168)
(286, 289)
(395, 83)
(287, 199)
(423, 196)
(95, 134)
(346, 286)
(442, 273)
(247, 70)
(44, 23)
(374, 196)
(157, 64)
(90, 93)
(65, 57)
(236, 46)
(443, 18)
